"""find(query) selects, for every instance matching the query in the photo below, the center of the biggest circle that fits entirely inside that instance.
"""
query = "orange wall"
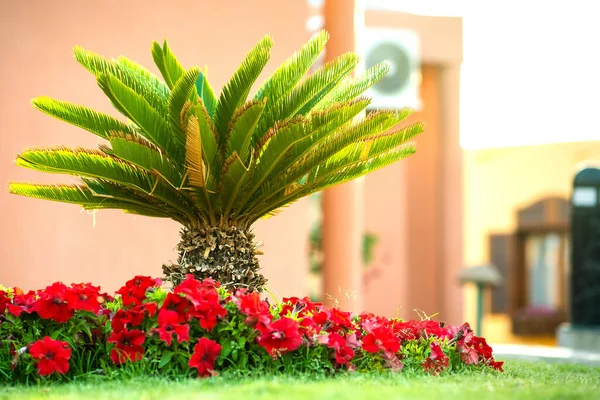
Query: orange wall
(41, 242)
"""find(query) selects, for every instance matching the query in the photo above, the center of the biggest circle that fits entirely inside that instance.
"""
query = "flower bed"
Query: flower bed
(199, 329)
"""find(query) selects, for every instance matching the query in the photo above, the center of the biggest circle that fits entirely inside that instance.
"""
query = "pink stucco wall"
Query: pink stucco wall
(41, 242)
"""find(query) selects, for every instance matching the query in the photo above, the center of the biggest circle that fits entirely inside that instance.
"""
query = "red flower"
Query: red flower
(132, 317)
(437, 361)
(51, 355)
(22, 303)
(299, 307)
(481, 347)
(203, 359)
(338, 320)
(369, 321)
(343, 352)
(205, 300)
(179, 304)
(128, 346)
(280, 337)
(381, 338)
(411, 330)
(309, 327)
(168, 325)
(134, 291)
(255, 309)
(84, 296)
(4, 300)
(53, 303)
(497, 365)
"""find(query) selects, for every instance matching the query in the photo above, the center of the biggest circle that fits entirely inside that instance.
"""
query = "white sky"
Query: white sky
(530, 72)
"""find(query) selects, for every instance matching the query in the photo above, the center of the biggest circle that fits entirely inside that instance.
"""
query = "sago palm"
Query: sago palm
(218, 164)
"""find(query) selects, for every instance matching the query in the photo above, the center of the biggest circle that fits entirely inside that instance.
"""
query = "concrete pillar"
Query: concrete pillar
(343, 205)
(452, 194)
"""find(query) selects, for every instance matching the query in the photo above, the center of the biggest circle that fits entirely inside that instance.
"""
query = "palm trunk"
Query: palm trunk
(225, 255)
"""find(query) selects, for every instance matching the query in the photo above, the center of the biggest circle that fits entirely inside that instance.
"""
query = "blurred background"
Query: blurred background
(508, 92)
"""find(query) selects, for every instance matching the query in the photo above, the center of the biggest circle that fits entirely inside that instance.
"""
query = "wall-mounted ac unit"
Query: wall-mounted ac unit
(401, 86)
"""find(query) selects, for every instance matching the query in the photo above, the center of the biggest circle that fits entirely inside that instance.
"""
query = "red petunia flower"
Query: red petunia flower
(309, 327)
(84, 296)
(381, 338)
(168, 325)
(343, 352)
(205, 299)
(437, 361)
(26, 303)
(126, 318)
(497, 365)
(481, 347)
(280, 337)
(51, 355)
(253, 307)
(179, 304)
(203, 359)
(299, 307)
(4, 300)
(52, 303)
(134, 291)
(128, 346)
(338, 320)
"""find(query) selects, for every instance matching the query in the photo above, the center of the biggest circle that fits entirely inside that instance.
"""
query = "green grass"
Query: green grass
(521, 380)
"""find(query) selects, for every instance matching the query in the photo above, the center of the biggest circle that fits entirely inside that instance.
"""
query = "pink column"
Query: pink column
(343, 205)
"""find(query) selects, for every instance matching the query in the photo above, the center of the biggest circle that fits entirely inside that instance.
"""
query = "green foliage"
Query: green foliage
(201, 159)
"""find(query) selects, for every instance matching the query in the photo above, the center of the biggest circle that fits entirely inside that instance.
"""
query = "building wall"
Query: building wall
(41, 242)
(500, 181)
(415, 206)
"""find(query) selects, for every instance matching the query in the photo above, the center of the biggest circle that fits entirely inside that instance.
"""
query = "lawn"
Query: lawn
(521, 380)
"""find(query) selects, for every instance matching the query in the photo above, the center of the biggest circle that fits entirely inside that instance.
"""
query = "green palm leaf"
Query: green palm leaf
(206, 93)
(184, 91)
(98, 123)
(167, 63)
(154, 127)
(236, 91)
(350, 88)
(243, 125)
(292, 70)
(144, 156)
(304, 96)
(131, 74)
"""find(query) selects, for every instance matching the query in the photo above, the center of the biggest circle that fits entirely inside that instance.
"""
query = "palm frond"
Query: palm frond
(83, 117)
(81, 195)
(319, 152)
(96, 164)
(154, 127)
(144, 156)
(351, 87)
(183, 91)
(131, 74)
(237, 89)
(206, 93)
(210, 151)
(292, 70)
(243, 124)
(196, 169)
(339, 172)
(167, 63)
(304, 96)
(235, 177)
(137, 202)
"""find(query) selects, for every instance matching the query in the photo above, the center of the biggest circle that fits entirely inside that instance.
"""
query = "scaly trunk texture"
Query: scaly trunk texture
(225, 255)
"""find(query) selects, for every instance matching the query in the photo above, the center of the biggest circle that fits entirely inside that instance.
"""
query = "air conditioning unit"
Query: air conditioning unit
(401, 86)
